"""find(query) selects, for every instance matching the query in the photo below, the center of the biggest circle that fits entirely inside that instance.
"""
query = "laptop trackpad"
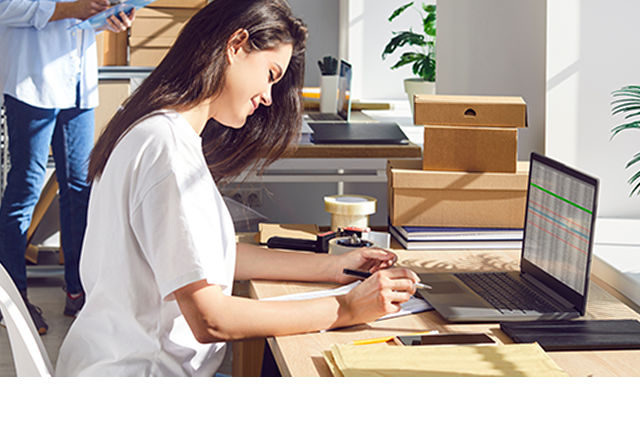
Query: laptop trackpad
(442, 284)
(449, 292)
(445, 285)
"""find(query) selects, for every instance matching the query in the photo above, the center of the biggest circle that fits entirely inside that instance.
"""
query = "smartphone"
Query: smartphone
(445, 339)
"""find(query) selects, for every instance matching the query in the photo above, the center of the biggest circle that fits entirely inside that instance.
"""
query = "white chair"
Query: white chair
(30, 357)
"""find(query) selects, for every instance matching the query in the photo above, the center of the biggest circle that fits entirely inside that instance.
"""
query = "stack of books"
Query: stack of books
(456, 238)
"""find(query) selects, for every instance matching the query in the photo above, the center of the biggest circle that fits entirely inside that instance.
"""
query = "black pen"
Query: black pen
(364, 275)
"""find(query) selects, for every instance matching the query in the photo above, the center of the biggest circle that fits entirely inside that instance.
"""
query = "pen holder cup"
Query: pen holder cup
(328, 94)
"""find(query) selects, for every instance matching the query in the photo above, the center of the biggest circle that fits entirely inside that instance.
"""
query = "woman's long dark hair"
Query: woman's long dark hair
(194, 70)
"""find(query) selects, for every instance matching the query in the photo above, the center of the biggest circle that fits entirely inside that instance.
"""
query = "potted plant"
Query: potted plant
(423, 53)
(627, 102)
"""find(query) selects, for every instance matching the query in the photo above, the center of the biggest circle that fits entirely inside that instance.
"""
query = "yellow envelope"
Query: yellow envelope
(458, 360)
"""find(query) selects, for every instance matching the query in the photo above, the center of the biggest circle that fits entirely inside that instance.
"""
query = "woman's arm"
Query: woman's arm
(214, 317)
(254, 262)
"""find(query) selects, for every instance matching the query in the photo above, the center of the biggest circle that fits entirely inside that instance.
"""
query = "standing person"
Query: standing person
(160, 255)
(49, 79)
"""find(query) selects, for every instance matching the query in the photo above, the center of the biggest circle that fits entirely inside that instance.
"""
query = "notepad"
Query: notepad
(519, 360)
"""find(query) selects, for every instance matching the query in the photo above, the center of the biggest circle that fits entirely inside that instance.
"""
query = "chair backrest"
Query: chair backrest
(30, 357)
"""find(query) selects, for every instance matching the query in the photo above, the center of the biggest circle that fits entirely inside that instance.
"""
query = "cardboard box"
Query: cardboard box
(470, 149)
(459, 110)
(196, 4)
(457, 199)
(153, 33)
(112, 94)
(112, 48)
(146, 57)
(167, 23)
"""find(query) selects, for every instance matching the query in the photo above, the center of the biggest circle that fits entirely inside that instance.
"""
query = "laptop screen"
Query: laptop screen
(344, 91)
(559, 227)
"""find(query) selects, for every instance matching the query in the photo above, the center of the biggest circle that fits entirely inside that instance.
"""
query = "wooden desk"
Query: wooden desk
(301, 355)
(307, 151)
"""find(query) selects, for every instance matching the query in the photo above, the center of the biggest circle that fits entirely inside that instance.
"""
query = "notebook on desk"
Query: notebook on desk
(555, 261)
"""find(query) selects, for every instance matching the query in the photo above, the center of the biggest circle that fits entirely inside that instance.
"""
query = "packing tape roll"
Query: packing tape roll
(349, 210)
(342, 245)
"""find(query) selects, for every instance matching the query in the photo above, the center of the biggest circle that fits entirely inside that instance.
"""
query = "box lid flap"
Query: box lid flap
(467, 110)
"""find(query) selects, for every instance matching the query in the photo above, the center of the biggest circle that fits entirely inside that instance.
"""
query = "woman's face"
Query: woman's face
(250, 77)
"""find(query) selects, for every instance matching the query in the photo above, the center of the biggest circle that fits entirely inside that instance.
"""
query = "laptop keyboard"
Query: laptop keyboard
(324, 116)
(505, 293)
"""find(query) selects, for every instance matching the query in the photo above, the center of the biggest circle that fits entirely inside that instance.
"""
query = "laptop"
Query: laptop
(340, 128)
(344, 99)
(555, 262)
(357, 133)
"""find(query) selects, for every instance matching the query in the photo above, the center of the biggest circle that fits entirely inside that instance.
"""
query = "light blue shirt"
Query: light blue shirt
(40, 61)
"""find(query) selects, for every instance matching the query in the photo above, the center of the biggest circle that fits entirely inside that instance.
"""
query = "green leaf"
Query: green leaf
(429, 8)
(425, 68)
(429, 24)
(634, 179)
(634, 160)
(632, 125)
(628, 88)
(401, 39)
(399, 10)
(408, 58)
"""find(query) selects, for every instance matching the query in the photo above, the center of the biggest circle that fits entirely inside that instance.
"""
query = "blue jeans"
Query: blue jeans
(70, 133)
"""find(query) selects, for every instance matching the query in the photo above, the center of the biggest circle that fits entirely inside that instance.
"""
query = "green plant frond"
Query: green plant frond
(632, 115)
(401, 39)
(632, 125)
(425, 68)
(626, 99)
(429, 8)
(620, 106)
(632, 89)
(634, 179)
(626, 95)
(399, 10)
(408, 58)
(430, 24)
(633, 161)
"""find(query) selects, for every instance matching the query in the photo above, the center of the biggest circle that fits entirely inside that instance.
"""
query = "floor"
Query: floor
(45, 290)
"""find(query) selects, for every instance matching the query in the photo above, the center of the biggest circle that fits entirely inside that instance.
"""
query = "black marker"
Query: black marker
(364, 275)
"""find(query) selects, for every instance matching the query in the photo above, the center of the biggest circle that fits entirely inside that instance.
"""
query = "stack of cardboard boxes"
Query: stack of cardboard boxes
(469, 175)
(156, 28)
(152, 34)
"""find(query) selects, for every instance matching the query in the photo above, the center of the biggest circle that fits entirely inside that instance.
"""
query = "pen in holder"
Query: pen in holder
(328, 84)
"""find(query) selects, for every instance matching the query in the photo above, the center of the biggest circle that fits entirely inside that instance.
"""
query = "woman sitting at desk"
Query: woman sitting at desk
(160, 256)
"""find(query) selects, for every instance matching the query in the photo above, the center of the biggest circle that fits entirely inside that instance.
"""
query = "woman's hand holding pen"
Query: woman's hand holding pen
(378, 295)
(365, 259)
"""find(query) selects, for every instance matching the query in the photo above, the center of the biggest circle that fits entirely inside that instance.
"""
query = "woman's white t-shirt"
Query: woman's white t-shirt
(156, 222)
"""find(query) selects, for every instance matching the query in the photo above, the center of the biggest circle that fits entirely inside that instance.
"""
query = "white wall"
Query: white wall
(592, 51)
(564, 58)
(495, 47)
(322, 19)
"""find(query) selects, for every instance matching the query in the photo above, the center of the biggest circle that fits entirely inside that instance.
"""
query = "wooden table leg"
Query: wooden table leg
(247, 358)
